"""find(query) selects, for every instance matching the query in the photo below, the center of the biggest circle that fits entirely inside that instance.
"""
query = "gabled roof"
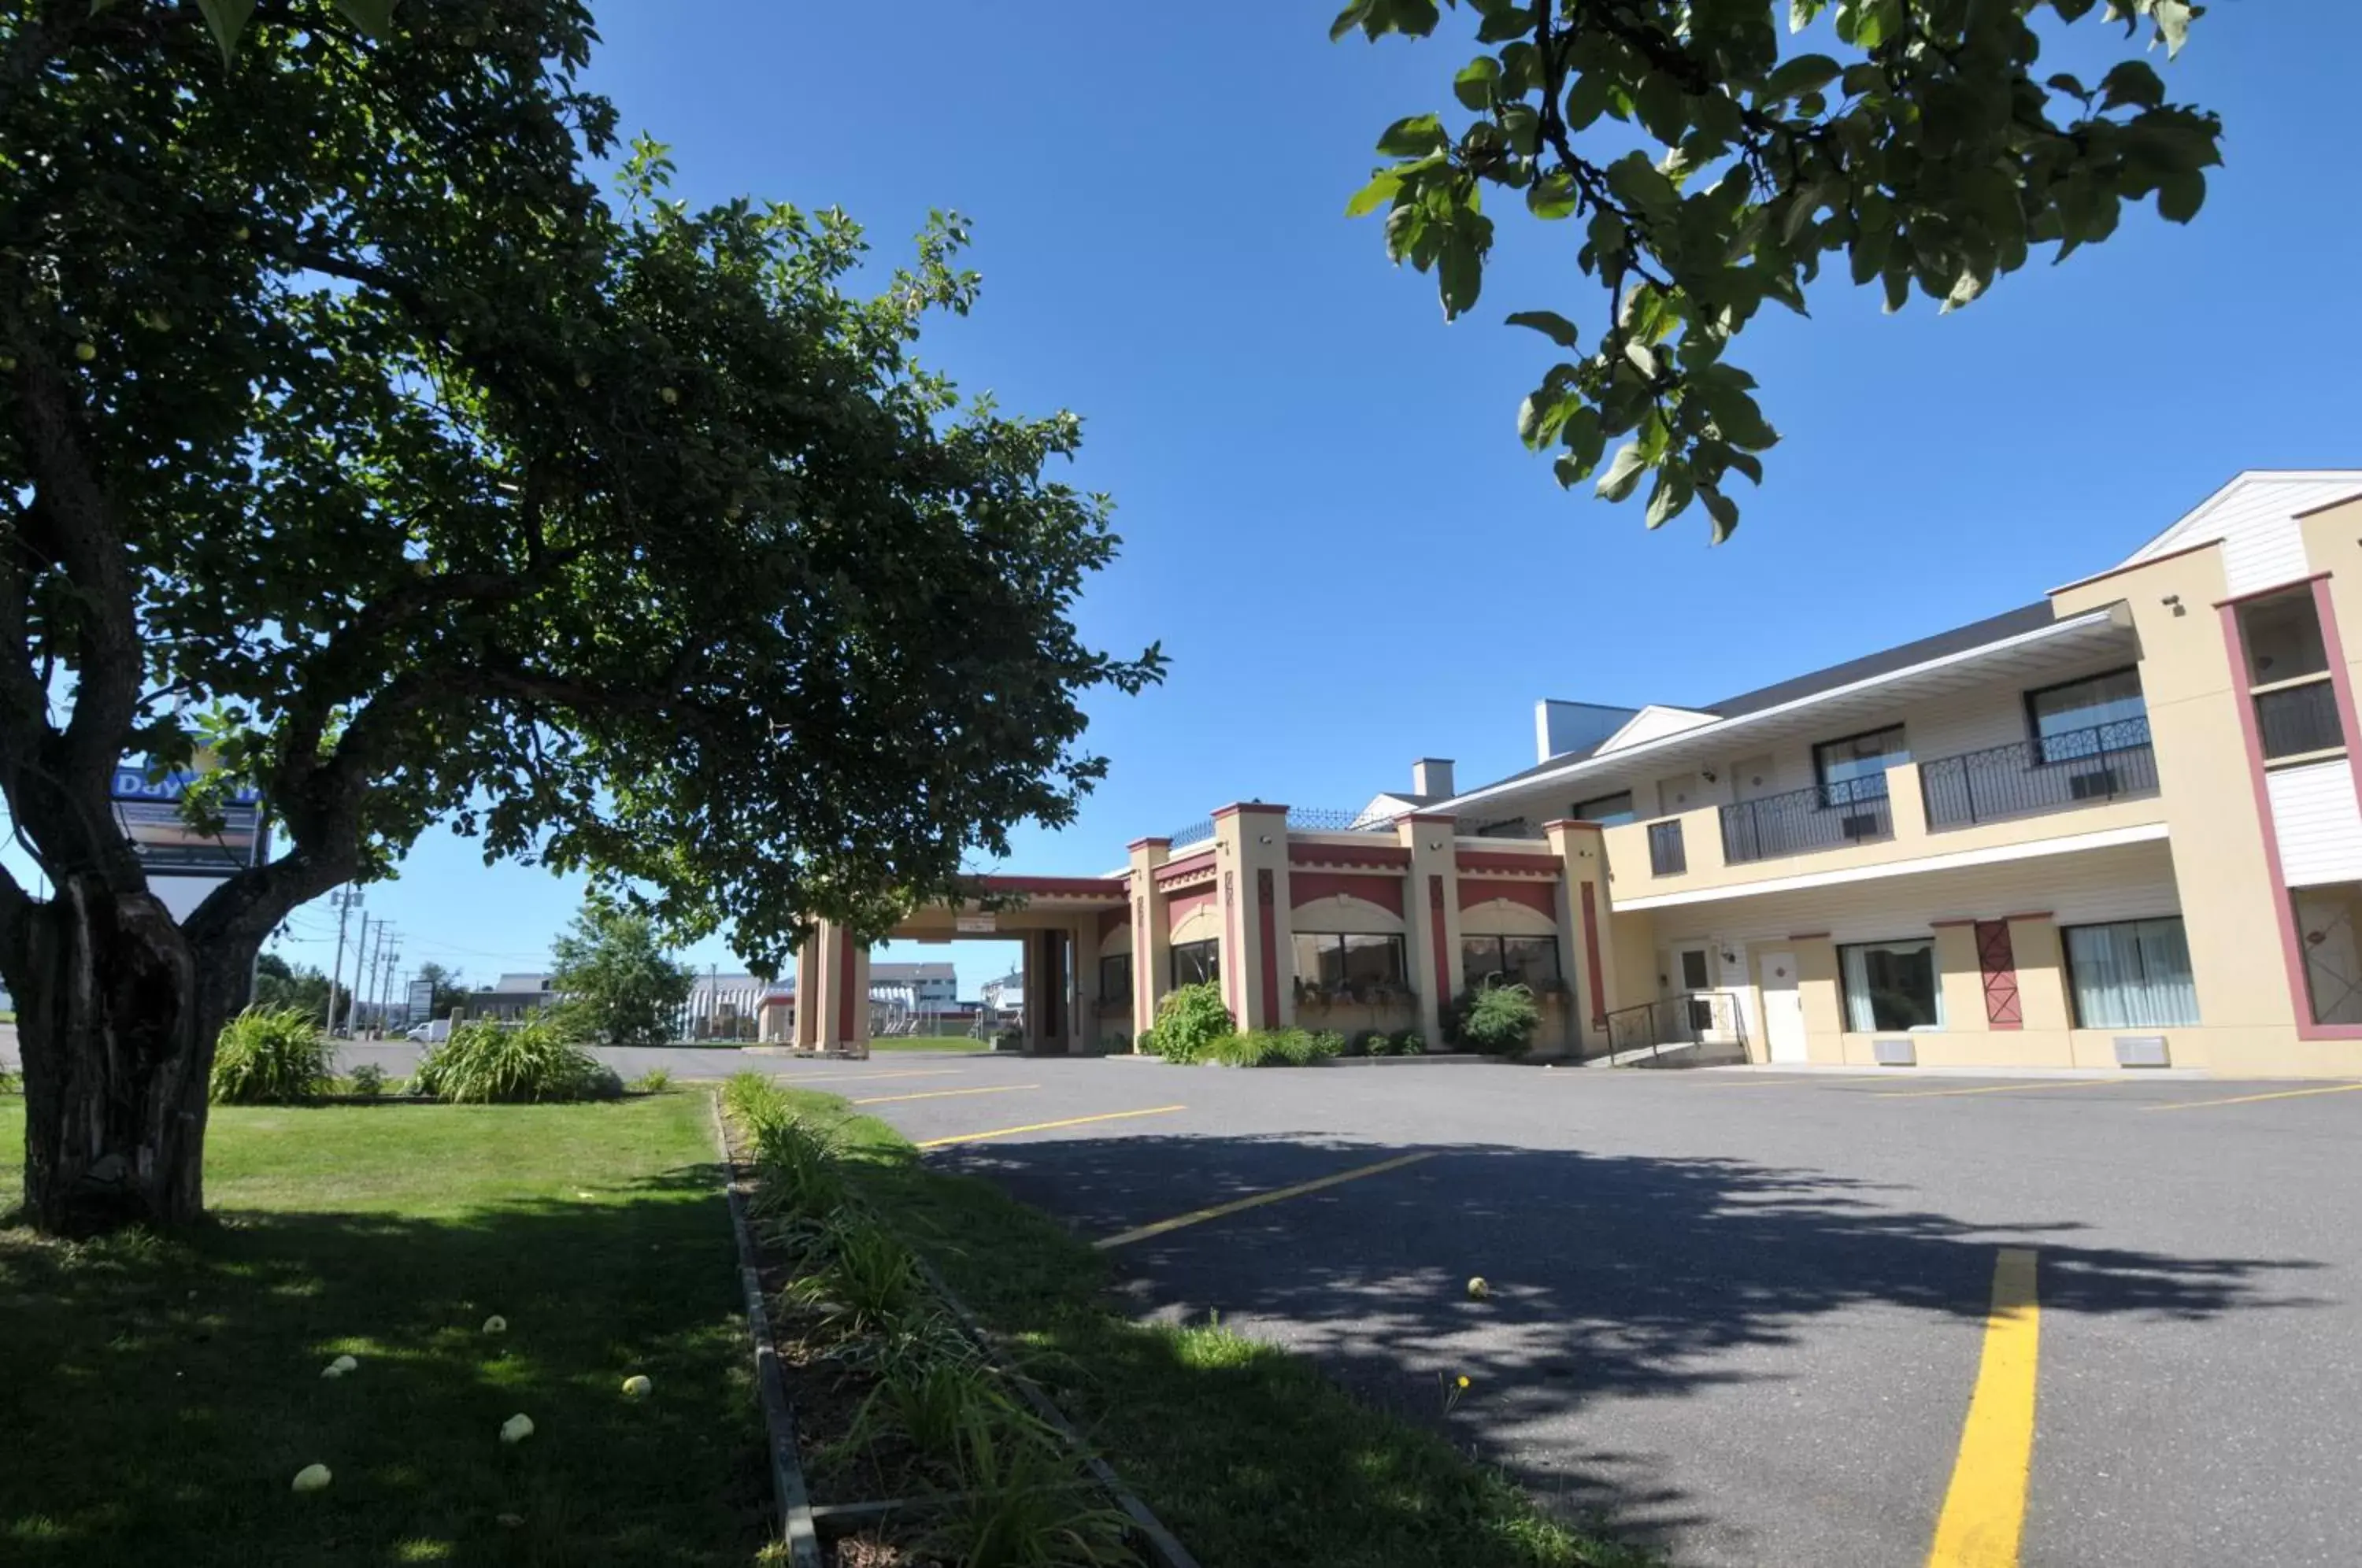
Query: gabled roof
(2308, 488)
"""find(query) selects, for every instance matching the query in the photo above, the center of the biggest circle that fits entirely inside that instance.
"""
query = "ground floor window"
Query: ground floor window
(1510, 961)
(1891, 984)
(1196, 961)
(1342, 963)
(2133, 974)
(2327, 921)
(1115, 977)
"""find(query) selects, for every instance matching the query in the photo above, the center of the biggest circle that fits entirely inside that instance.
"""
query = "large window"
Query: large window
(1193, 962)
(1115, 977)
(1855, 768)
(2134, 974)
(2082, 718)
(2327, 918)
(2288, 677)
(1607, 809)
(1509, 961)
(1891, 985)
(1338, 964)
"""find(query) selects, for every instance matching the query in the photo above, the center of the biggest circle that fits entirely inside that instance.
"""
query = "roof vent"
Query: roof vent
(1431, 777)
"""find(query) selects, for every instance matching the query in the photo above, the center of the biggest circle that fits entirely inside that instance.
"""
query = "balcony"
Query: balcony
(1825, 816)
(2054, 773)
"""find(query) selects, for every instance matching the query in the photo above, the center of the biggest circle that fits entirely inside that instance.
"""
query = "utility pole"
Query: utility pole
(388, 954)
(346, 902)
(360, 969)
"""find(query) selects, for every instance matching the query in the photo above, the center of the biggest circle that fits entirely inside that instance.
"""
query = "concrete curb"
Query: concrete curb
(1439, 1058)
(794, 1502)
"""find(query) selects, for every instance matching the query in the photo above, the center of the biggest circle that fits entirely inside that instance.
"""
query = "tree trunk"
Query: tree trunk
(117, 1022)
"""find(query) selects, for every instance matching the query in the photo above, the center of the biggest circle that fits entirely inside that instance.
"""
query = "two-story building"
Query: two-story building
(2117, 826)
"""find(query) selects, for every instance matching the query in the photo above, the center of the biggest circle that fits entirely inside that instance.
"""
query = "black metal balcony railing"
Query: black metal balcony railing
(1667, 856)
(1827, 816)
(2054, 773)
(2294, 720)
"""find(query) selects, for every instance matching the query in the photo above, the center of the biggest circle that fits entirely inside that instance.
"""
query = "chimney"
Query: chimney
(1431, 777)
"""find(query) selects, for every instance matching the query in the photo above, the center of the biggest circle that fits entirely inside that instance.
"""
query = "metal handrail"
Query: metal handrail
(1823, 816)
(1684, 1019)
(2050, 773)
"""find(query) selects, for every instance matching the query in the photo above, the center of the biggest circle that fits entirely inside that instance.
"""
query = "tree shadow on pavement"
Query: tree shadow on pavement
(1611, 1277)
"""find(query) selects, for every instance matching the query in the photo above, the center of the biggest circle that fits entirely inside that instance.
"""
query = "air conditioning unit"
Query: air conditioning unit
(2092, 786)
(1894, 1053)
(2142, 1051)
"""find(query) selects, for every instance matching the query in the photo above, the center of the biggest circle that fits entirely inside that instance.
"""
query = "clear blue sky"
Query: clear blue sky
(1319, 483)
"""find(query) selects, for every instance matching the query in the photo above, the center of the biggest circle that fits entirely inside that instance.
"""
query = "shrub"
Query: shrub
(1407, 1043)
(1148, 1043)
(484, 1063)
(271, 1054)
(752, 1099)
(1367, 1042)
(368, 1080)
(1499, 1021)
(1019, 1507)
(796, 1169)
(1275, 1048)
(656, 1080)
(10, 1082)
(931, 1406)
(1191, 1019)
(1010, 1039)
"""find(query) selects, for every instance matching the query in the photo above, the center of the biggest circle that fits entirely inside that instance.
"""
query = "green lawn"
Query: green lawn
(929, 1042)
(1247, 1452)
(159, 1397)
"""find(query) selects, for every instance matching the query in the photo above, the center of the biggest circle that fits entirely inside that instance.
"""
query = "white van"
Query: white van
(433, 1033)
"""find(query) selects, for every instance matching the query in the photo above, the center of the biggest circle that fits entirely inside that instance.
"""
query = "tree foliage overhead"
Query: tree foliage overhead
(1707, 154)
(354, 434)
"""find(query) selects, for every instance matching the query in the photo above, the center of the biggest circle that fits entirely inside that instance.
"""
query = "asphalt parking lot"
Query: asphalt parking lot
(1749, 1317)
(1745, 1315)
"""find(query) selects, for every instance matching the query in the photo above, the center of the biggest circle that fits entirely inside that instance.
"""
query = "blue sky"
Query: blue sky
(1318, 480)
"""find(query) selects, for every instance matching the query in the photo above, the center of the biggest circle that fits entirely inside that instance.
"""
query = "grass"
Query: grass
(1247, 1452)
(160, 1396)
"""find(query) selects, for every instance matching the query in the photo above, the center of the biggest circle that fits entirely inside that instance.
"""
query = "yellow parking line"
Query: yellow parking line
(2251, 1098)
(941, 1094)
(867, 1077)
(1984, 1509)
(1045, 1126)
(1220, 1210)
(1994, 1088)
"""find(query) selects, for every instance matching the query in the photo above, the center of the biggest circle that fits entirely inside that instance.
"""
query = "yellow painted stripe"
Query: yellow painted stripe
(866, 1077)
(1045, 1126)
(1995, 1088)
(2251, 1098)
(942, 1094)
(1221, 1211)
(1984, 1509)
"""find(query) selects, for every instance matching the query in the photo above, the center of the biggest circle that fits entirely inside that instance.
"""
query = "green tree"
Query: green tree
(1702, 165)
(353, 435)
(278, 985)
(448, 990)
(616, 977)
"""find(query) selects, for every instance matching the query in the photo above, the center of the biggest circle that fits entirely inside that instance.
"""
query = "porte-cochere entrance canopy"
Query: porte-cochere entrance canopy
(1372, 928)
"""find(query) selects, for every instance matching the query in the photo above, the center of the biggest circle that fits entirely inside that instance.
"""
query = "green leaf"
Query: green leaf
(1623, 473)
(1349, 18)
(1413, 136)
(1670, 497)
(374, 17)
(1587, 99)
(1806, 73)
(2131, 81)
(1552, 196)
(1376, 194)
(1460, 275)
(1722, 509)
(1474, 85)
(227, 18)
(1548, 323)
(2180, 195)
(1802, 12)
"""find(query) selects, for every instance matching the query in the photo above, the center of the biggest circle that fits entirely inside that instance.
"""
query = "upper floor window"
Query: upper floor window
(1855, 768)
(2287, 676)
(2083, 718)
(1607, 809)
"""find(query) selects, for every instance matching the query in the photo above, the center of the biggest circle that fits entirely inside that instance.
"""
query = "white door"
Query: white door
(1783, 1014)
